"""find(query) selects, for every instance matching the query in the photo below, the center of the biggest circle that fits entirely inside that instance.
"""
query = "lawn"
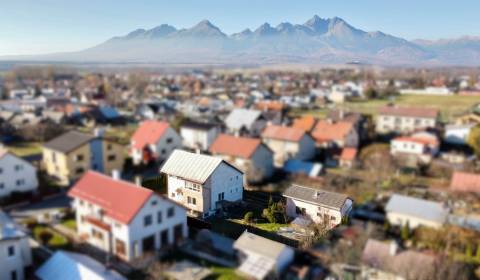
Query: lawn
(25, 148)
(224, 273)
(56, 242)
(70, 223)
(449, 106)
(270, 227)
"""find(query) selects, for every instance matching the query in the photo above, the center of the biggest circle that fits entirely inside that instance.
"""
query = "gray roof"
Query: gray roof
(8, 228)
(191, 166)
(260, 245)
(68, 141)
(239, 118)
(420, 208)
(316, 196)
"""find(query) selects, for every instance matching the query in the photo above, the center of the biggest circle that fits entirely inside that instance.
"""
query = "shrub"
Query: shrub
(248, 218)
(45, 236)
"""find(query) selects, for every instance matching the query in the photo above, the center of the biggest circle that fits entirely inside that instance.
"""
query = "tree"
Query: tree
(405, 233)
(473, 139)
(270, 201)
(371, 93)
(468, 251)
(45, 236)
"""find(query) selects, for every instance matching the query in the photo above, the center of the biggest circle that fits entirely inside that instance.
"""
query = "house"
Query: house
(123, 219)
(198, 135)
(250, 155)
(457, 134)
(69, 265)
(306, 123)
(288, 143)
(384, 260)
(153, 141)
(245, 122)
(70, 155)
(16, 174)
(328, 134)
(347, 157)
(423, 146)
(402, 210)
(465, 182)
(262, 258)
(393, 119)
(16, 255)
(322, 207)
(202, 183)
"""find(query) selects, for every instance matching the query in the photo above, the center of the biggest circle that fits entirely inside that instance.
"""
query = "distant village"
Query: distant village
(333, 173)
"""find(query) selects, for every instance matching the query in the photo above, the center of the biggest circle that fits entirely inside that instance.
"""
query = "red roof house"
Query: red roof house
(242, 147)
(341, 133)
(465, 182)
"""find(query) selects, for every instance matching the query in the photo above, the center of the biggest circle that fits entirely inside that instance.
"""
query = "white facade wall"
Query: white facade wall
(262, 160)
(457, 135)
(316, 212)
(400, 124)
(407, 147)
(285, 150)
(21, 258)
(169, 141)
(198, 138)
(400, 219)
(16, 175)
(131, 234)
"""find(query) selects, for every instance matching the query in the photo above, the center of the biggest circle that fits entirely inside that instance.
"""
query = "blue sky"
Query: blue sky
(44, 26)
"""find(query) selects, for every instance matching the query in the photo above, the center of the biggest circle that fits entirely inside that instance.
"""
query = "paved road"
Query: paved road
(38, 208)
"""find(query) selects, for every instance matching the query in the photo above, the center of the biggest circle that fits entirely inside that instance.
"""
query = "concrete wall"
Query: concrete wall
(64, 166)
(25, 176)
(22, 258)
(387, 124)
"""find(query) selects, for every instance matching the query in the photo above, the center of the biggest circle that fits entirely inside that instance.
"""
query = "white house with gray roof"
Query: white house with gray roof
(16, 174)
(245, 121)
(201, 183)
(322, 207)
(262, 258)
(15, 252)
(416, 212)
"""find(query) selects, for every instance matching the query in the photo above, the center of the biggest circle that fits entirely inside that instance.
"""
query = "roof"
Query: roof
(198, 125)
(417, 112)
(74, 266)
(302, 167)
(330, 131)
(8, 228)
(191, 166)
(341, 115)
(260, 245)
(120, 200)
(3, 152)
(149, 132)
(270, 105)
(465, 182)
(283, 133)
(242, 147)
(348, 154)
(420, 208)
(306, 123)
(69, 141)
(239, 118)
(316, 196)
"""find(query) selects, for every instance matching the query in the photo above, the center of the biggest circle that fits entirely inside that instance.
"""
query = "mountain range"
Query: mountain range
(317, 41)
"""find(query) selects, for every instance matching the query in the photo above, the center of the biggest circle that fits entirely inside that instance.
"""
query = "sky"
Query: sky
(46, 26)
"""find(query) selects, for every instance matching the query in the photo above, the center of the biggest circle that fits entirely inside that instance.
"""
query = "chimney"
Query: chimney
(393, 248)
(116, 174)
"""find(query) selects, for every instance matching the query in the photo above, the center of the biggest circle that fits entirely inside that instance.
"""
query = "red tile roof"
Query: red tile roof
(418, 112)
(326, 131)
(465, 182)
(348, 154)
(243, 147)
(149, 132)
(270, 105)
(283, 133)
(306, 123)
(119, 199)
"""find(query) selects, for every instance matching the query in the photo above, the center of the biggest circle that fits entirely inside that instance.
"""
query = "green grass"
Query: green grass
(25, 148)
(56, 242)
(224, 273)
(70, 223)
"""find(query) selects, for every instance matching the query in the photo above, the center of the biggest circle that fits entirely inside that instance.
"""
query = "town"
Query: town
(351, 172)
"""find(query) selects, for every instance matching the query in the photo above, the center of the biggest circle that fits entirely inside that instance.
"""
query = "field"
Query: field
(25, 148)
(449, 106)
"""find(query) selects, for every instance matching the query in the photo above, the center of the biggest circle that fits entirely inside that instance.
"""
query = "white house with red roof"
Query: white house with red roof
(202, 183)
(422, 145)
(153, 140)
(335, 134)
(16, 174)
(250, 155)
(123, 219)
(288, 143)
(405, 119)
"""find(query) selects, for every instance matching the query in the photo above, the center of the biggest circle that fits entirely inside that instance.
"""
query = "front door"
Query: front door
(148, 244)
(164, 238)
(178, 233)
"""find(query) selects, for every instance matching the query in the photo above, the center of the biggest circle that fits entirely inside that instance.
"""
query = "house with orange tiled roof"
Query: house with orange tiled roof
(250, 155)
(125, 220)
(347, 157)
(422, 146)
(288, 143)
(465, 182)
(153, 141)
(328, 134)
(306, 123)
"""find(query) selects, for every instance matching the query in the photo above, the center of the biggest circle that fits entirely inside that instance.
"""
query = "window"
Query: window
(172, 194)
(154, 202)
(79, 158)
(192, 200)
(221, 196)
(192, 186)
(97, 234)
(14, 275)
(169, 140)
(18, 167)
(1, 170)
(79, 170)
(20, 182)
(109, 147)
(112, 157)
(54, 157)
(2, 185)
(159, 217)
(147, 220)
(11, 251)
(171, 212)
(120, 248)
